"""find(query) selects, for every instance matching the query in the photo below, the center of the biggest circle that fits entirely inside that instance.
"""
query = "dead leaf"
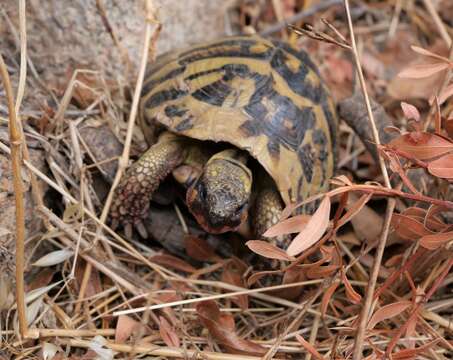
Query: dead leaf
(168, 333)
(428, 53)
(268, 250)
(422, 145)
(221, 330)
(125, 327)
(233, 277)
(445, 94)
(327, 296)
(259, 275)
(173, 262)
(410, 111)
(408, 228)
(435, 241)
(54, 258)
(387, 312)
(354, 209)
(352, 295)
(313, 231)
(412, 354)
(421, 71)
(199, 249)
(292, 225)
(310, 348)
(442, 167)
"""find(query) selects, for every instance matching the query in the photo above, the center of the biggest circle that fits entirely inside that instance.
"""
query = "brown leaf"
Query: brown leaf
(259, 275)
(425, 52)
(352, 295)
(199, 249)
(125, 327)
(448, 125)
(442, 167)
(233, 277)
(289, 226)
(420, 71)
(168, 333)
(313, 231)
(173, 262)
(354, 209)
(422, 145)
(220, 329)
(412, 354)
(445, 94)
(408, 228)
(310, 348)
(387, 312)
(268, 250)
(410, 111)
(435, 241)
(327, 296)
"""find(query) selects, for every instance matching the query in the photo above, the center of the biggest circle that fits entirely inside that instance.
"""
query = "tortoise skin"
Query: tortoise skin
(259, 95)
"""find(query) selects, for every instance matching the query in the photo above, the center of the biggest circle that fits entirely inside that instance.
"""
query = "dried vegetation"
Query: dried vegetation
(368, 275)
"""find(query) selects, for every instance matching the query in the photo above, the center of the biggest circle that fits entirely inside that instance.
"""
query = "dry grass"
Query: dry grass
(377, 283)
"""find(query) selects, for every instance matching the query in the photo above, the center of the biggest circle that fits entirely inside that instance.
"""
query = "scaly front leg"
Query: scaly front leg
(133, 194)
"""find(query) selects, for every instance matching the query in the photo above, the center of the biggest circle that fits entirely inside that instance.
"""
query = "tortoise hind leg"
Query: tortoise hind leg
(134, 192)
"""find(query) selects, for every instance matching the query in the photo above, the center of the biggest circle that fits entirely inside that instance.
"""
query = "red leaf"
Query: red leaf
(352, 295)
(354, 209)
(410, 111)
(387, 312)
(408, 228)
(288, 226)
(222, 331)
(420, 71)
(233, 277)
(425, 52)
(435, 241)
(167, 333)
(442, 167)
(327, 296)
(310, 348)
(125, 327)
(268, 250)
(422, 145)
(313, 231)
(444, 95)
(173, 262)
(199, 249)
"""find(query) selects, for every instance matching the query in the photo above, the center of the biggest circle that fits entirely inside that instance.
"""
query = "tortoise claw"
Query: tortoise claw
(128, 230)
(141, 229)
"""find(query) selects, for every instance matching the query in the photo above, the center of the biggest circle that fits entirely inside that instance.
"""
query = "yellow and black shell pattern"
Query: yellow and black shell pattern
(259, 95)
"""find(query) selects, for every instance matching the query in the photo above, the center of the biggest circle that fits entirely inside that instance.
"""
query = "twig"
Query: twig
(148, 45)
(23, 55)
(360, 335)
(437, 20)
(322, 5)
(158, 351)
(16, 141)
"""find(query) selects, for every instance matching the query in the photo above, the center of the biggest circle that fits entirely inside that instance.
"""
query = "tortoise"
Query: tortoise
(246, 124)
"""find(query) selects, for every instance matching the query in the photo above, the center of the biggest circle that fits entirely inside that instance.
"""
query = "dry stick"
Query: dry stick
(160, 351)
(124, 159)
(360, 336)
(440, 25)
(16, 141)
(23, 56)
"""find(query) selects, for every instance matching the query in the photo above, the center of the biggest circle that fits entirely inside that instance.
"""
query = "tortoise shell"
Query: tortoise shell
(260, 95)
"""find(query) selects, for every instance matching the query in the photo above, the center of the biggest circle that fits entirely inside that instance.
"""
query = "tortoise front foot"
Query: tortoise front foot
(133, 195)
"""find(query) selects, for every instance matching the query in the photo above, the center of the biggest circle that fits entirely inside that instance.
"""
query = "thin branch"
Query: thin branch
(16, 141)
(148, 45)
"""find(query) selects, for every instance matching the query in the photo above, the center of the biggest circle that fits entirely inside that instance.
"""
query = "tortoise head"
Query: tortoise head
(219, 198)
